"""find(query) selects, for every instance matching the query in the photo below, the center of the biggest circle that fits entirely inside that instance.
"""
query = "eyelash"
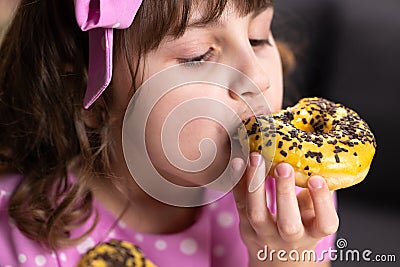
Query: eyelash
(194, 61)
(260, 42)
(190, 62)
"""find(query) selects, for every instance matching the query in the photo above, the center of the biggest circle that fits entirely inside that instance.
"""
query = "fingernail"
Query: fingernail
(237, 164)
(283, 170)
(316, 182)
(255, 159)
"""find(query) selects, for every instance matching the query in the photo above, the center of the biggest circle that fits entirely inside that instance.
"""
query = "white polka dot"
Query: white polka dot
(111, 233)
(122, 224)
(139, 237)
(53, 254)
(85, 245)
(40, 260)
(8, 266)
(63, 257)
(160, 245)
(4, 193)
(225, 219)
(21, 258)
(188, 246)
(219, 250)
(116, 25)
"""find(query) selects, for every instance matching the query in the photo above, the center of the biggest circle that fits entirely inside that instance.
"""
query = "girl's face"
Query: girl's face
(243, 43)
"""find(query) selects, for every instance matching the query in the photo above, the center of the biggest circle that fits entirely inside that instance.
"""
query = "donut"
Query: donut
(114, 253)
(317, 137)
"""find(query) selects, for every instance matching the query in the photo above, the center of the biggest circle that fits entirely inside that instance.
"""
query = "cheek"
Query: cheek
(195, 155)
(202, 138)
(187, 152)
(275, 94)
(275, 97)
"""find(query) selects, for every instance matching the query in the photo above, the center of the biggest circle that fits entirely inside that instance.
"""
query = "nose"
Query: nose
(254, 80)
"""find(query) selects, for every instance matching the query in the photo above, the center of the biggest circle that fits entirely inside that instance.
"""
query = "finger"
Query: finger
(239, 191)
(256, 172)
(306, 206)
(326, 220)
(258, 213)
(288, 214)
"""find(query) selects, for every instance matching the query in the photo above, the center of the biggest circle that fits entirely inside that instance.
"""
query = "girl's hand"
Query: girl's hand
(300, 221)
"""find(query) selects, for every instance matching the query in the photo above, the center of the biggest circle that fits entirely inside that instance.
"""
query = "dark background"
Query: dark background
(348, 51)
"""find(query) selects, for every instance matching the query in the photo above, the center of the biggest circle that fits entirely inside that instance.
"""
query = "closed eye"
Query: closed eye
(198, 59)
(260, 42)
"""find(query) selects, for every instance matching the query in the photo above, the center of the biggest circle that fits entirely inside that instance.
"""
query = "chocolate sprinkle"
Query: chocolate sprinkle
(269, 143)
(280, 144)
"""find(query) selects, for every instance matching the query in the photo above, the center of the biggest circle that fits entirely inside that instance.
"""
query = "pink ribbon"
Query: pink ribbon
(119, 14)
(100, 17)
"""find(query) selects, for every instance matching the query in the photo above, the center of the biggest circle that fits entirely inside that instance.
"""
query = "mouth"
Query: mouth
(256, 112)
(246, 116)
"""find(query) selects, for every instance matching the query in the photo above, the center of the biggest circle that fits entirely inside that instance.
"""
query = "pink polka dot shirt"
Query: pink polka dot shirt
(213, 240)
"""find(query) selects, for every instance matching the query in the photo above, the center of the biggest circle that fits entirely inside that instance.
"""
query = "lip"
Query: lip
(257, 112)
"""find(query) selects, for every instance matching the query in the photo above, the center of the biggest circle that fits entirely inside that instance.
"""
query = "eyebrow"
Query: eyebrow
(217, 22)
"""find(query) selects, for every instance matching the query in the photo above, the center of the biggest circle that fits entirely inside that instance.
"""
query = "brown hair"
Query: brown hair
(43, 69)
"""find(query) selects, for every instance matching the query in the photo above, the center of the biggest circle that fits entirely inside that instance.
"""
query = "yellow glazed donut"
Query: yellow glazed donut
(114, 253)
(316, 136)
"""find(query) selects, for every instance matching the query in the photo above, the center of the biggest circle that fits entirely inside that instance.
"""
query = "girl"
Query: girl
(65, 185)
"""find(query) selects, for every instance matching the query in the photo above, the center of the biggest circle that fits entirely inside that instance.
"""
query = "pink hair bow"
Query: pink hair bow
(100, 17)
